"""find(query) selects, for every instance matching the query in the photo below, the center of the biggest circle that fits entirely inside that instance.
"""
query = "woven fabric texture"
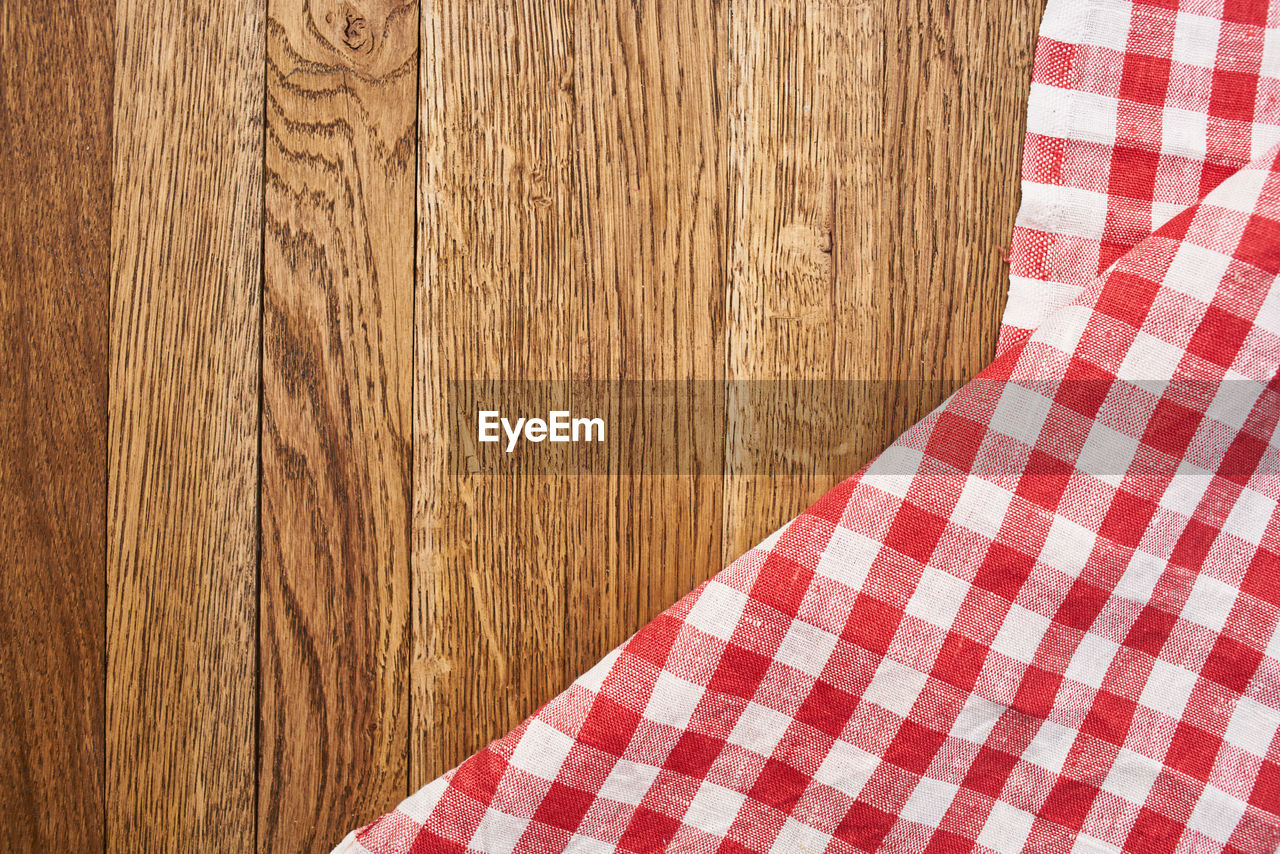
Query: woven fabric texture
(1136, 112)
(1046, 617)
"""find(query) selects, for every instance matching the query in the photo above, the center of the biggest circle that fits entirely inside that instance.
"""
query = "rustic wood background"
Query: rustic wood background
(243, 245)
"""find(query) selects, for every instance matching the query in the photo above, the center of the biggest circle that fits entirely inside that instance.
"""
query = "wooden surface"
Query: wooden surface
(337, 370)
(54, 272)
(182, 460)
(253, 593)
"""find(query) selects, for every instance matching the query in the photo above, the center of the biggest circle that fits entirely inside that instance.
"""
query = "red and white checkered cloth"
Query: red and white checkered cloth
(1137, 111)
(1046, 618)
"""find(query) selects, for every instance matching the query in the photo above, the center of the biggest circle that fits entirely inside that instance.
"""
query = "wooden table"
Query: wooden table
(247, 603)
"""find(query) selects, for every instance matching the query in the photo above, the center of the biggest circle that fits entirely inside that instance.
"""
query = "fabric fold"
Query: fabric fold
(1136, 111)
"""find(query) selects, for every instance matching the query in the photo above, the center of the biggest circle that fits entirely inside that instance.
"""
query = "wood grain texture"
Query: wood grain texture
(183, 413)
(648, 84)
(499, 251)
(801, 74)
(759, 191)
(254, 591)
(571, 205)
(337, 370)
(873, 161)
(55, 217)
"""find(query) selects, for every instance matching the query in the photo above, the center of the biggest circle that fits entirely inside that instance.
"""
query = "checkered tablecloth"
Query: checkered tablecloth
(1137, 111)
(1045, 619)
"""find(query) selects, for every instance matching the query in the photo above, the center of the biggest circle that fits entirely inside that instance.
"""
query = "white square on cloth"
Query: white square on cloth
(542, 750)
(1067, 546)
(1007, 828)
(847, 768)
(628, 781)
(929, 801)
(938, 597)
(806, 648)
(714, 808)
(1020, 634)
(1216, 814)
(1168, 688)
(498, 833)
(759, 729)
(895, 687)
(1195, 40)
(717, 610)
(981, 506)
(1131, 776)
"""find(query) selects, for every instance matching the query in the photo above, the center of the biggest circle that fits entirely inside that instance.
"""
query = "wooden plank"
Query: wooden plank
(572, 203)
(649, 81)
(955, 103)
(799, 74)
(499, 251)
(873, 153)
(858, 215)
(182, 487)
(337, 372)
(55, 216)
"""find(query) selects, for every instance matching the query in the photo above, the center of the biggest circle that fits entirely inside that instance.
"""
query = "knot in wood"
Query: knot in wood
(356, 33)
